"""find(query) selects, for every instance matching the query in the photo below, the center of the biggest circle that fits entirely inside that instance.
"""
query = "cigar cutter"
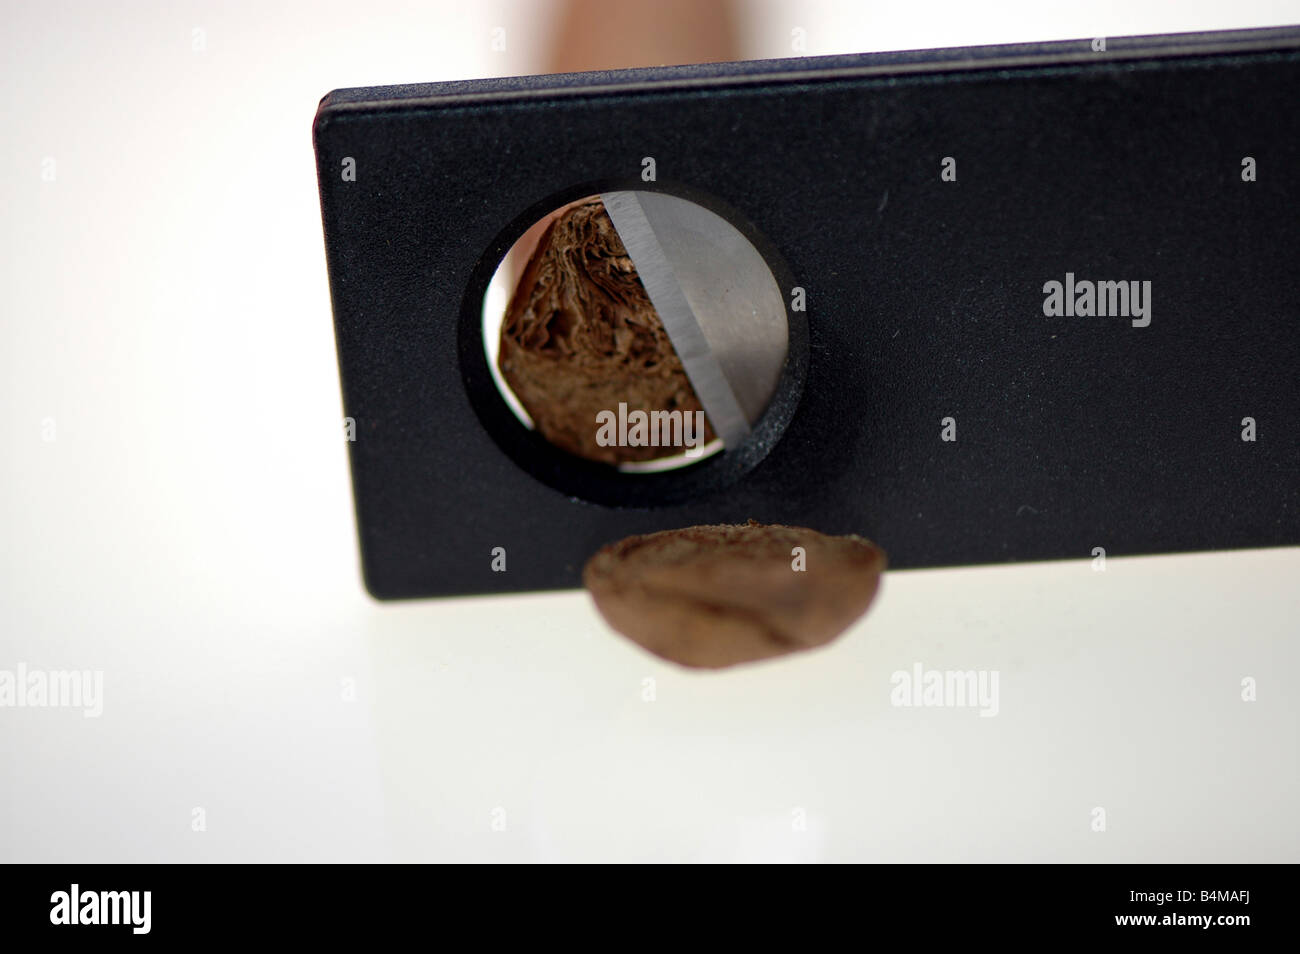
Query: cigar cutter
(979, 305)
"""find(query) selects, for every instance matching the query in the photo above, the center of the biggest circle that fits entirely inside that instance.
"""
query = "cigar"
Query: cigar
(581, 341)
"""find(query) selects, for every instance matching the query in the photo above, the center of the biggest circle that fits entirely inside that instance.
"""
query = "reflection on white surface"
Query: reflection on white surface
(1119, 690)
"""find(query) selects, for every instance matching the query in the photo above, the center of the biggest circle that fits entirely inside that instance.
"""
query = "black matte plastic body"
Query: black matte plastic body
(925, 301)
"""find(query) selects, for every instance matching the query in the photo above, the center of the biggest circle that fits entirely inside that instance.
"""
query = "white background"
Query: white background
(189, 532)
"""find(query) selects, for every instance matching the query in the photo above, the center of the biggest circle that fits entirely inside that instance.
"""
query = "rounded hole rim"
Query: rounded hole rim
(604, 484)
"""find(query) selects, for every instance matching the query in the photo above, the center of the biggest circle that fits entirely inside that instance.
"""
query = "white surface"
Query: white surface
(189, 532)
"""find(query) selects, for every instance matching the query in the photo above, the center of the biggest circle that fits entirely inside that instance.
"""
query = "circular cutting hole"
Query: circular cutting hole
(509, 419)
(636, 330)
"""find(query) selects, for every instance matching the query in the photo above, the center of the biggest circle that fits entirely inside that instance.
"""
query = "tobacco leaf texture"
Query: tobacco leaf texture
(580, 336)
